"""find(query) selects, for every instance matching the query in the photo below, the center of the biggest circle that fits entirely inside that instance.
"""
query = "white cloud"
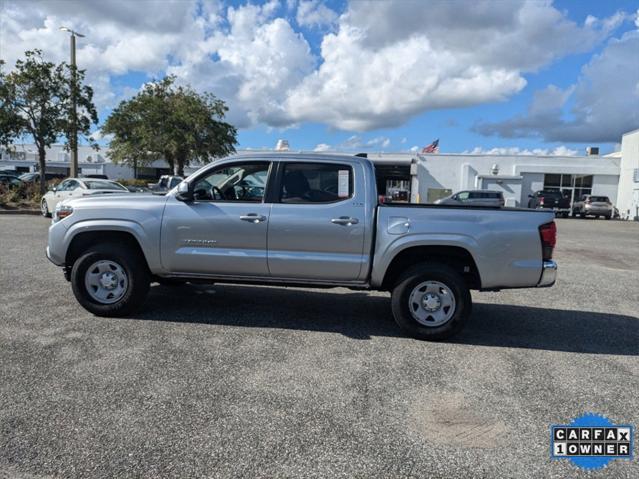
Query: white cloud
(313, 13)
(98, 136)
(390, 61)
(380, 141)
(414, 148)
(322, 147)
(561, 150)
(380, 63)
(356, 142)
(600, 107)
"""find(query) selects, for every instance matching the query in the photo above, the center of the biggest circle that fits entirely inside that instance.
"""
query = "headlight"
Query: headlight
(61, 212)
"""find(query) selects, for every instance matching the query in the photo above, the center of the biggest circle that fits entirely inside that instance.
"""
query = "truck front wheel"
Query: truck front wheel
(431, 301)
(110, 280)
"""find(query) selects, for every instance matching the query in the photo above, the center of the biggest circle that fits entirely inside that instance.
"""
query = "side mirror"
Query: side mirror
(184, 192)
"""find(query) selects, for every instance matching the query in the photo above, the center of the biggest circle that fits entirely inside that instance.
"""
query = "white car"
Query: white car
(77, 188)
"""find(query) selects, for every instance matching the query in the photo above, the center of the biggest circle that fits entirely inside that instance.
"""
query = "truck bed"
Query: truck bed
(504, 242)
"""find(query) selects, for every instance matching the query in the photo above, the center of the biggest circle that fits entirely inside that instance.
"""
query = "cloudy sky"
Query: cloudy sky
(498, 76)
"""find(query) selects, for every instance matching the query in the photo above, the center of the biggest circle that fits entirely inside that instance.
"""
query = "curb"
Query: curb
(19, 212)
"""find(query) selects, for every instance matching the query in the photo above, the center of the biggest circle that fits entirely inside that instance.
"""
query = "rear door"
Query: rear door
(317, 224)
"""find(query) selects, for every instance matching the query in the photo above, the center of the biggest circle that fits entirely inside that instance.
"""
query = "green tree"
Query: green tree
(170, 122)
(36, 101)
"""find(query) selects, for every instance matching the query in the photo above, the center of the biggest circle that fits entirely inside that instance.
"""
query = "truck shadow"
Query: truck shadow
(360, 315)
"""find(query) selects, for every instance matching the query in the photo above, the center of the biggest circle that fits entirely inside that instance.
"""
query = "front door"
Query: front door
(223, 231)
(317, 223)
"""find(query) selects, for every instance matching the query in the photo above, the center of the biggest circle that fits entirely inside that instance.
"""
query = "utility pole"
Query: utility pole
(73, 140)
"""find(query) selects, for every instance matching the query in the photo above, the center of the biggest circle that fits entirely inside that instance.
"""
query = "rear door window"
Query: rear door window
(315, 183)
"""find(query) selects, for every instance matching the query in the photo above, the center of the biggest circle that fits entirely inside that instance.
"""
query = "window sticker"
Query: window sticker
(343, 182)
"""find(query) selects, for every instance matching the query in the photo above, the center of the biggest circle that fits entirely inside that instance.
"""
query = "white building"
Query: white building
(628, 192)
(435, 176)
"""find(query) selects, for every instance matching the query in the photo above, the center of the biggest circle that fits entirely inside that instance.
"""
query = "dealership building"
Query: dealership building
(426, 177)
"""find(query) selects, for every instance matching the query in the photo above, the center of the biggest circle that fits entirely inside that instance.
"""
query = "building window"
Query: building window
(572, 186)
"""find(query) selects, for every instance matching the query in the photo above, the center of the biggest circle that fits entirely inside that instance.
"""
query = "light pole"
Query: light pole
(74, 115)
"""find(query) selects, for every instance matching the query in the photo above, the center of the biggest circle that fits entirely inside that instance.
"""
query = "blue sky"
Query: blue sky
(366, 77)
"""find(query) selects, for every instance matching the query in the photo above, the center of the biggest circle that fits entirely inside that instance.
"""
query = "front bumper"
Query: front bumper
(56, 248)
(548, 274)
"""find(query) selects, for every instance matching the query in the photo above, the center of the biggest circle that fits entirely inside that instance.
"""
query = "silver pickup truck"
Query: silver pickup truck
(304, 220)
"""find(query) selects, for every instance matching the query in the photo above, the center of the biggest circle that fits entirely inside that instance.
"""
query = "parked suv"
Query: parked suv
(474, 198)
(551, 199)
(590, 205)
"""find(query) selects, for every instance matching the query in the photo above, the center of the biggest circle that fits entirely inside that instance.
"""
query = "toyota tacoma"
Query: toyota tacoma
(306, 220)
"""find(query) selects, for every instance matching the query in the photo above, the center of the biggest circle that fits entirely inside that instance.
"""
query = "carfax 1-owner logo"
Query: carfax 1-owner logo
(591, 441)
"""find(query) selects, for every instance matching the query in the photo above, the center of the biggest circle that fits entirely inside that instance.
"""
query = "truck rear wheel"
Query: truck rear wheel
(110, 280)
(431, 301)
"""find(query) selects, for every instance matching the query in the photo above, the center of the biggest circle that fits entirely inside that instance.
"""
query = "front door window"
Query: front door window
(235, 183)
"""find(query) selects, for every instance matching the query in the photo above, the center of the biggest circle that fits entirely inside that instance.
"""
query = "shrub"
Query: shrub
(25, 195)
(133, 182)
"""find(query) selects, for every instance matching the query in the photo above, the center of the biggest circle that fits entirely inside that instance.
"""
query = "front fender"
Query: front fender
(149, 244)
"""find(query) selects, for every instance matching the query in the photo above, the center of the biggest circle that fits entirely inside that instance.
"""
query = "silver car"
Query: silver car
(589, 205)
(474, 198)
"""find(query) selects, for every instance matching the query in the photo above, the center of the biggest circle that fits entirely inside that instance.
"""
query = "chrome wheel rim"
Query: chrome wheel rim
(106, 281)
(432, 303)
(43, 207)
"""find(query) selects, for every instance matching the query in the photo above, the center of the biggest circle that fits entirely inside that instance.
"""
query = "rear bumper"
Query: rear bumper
(598, 211)
(548, 274)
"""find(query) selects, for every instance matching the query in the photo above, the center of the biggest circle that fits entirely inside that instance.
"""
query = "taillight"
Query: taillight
(548, 234)
(541, 201)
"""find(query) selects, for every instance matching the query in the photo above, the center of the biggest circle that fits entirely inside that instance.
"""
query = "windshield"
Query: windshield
(600, 199)
(104, 185)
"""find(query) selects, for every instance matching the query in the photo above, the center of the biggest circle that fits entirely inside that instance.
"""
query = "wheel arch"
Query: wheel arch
(457, 257)
(83, 240)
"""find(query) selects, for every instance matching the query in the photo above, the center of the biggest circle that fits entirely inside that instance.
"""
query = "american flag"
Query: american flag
(432, 148)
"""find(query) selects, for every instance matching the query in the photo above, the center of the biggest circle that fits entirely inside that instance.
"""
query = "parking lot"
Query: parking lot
(227, 380)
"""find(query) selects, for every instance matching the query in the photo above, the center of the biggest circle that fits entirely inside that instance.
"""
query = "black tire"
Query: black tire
(444, 274)
(608, 217)
(44, 208)
(132, 263)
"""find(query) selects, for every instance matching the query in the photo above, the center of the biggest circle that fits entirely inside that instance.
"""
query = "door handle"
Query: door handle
(253, 218)
(345, 220)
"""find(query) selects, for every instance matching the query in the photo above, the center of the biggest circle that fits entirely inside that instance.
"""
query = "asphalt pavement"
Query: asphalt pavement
(239, 381)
